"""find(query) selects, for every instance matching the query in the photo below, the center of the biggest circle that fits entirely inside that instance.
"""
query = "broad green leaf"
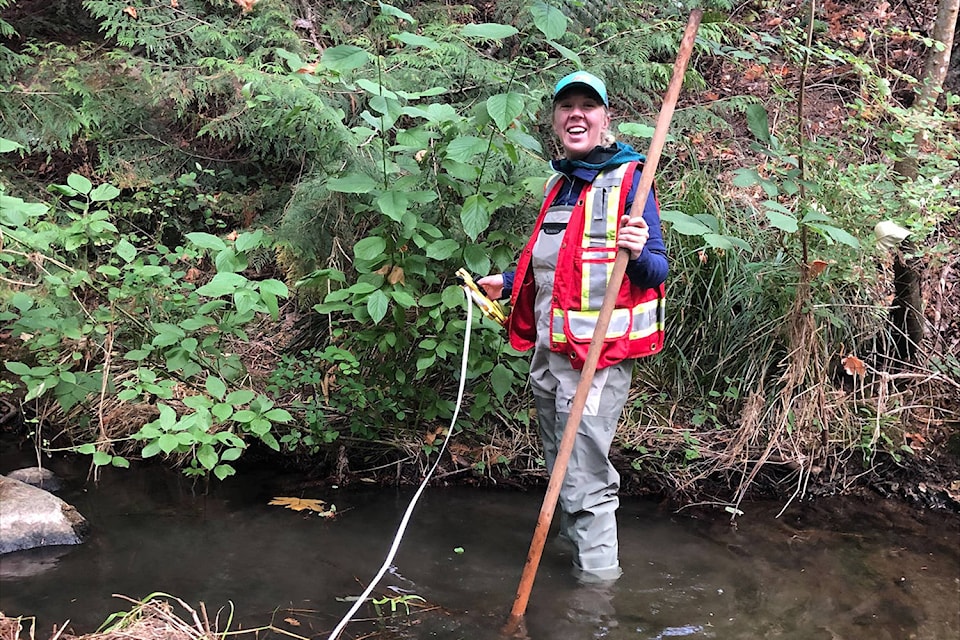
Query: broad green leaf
(18, 368)
(569, 54)
(223, 471)
(403, 299)
(120, 462)
(79, 183)
(501, 379)
(241, 396)
(216, 387)
(278, 415)
(344, 58)
(504, 107)
(377, 305)
(759, 122)
(415, 40)
(442, 249)
(636, 129)
(102, 458)
(393, 204)
(389, 10)
(782, 221)
(108, 270)
(727, 243)
(222, 284)
(232, 453)
(488, 31)
(376, 89)
(475, 216)
(274, 287)
(524, 139)
(294, 62)
(125, 250)
(370, 248)
(7, 146)
(352, 183)
(549, 20)
(248, 240)
(362, 288)
(207, 456)
(168, 443)
(839, 235)
(684, 224)
(465, 148)
(477, 259)
(206, 241)
(104, 192)
(221, 411)
(746, 177)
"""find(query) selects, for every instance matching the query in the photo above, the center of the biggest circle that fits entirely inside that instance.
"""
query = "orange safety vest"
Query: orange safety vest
(584, 264)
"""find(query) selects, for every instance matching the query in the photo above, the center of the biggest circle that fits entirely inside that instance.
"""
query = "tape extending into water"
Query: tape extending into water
(423, 485)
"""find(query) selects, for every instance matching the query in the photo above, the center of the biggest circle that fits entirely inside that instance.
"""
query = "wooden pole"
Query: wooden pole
(593, 353)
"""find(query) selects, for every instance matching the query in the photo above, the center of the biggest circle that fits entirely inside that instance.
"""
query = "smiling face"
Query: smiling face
(579, 120)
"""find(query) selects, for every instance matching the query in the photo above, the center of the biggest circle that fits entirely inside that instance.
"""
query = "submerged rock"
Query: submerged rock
(32, 517)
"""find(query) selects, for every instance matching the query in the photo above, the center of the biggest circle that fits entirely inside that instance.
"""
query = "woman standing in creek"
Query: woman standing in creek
(556, 292)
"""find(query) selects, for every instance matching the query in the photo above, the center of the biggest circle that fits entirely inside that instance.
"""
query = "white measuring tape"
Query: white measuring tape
(423, 485)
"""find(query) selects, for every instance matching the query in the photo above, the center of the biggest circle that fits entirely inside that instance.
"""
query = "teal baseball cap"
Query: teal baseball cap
(582, 79)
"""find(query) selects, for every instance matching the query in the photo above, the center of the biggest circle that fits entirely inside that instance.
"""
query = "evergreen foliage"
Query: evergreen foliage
(374, 149)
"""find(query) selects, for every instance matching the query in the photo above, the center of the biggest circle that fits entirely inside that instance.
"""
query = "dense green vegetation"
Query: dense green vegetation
(226, 223)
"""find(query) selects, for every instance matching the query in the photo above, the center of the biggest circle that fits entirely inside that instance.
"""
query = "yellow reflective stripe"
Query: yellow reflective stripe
(557, 333)
(648, 318)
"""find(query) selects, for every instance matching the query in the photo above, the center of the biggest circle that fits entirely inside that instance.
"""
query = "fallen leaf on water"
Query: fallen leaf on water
(300, 504)
(293, 622)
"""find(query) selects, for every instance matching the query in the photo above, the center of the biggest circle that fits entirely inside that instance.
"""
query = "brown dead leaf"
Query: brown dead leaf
(232, 236)
(193, 274)
(131, 11)
(174, 4)
(300, 504)
(754, 72)
(432, 435)
(396, 276)
(310, 67)
(854, 366)
(246, 5)
(816, 267)
(293, 622)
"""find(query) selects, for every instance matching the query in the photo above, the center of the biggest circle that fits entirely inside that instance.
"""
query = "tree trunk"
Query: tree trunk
(907, 311)
(931, 84)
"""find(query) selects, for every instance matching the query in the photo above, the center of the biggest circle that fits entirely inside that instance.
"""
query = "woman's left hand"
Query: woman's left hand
(633, 235)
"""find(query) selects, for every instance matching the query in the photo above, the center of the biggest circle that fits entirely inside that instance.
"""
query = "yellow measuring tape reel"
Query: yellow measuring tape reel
(490, 308)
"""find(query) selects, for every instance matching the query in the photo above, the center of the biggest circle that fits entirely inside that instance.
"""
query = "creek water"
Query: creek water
(828, 569)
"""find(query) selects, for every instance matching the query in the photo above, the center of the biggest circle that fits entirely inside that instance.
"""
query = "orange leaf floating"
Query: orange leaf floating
(854, 366)
(306, 504)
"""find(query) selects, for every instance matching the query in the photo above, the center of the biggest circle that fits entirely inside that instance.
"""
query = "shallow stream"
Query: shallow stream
(830, 569)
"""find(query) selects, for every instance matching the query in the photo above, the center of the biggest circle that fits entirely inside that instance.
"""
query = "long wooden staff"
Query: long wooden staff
(606, 309)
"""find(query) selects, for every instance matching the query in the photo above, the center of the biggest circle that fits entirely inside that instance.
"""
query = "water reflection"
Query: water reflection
(837, 570)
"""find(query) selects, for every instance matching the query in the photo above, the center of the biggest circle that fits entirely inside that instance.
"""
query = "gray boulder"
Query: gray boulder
(32, 517)
(38, 477)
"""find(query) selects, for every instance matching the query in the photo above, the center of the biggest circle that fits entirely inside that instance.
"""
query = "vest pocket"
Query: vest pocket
(581, 324)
